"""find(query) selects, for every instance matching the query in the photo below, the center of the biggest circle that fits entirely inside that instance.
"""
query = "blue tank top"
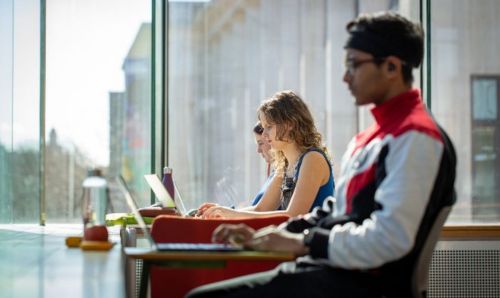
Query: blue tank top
(288, 184)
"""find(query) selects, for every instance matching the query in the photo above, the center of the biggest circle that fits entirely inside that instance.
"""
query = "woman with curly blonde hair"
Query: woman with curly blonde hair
(304, 177)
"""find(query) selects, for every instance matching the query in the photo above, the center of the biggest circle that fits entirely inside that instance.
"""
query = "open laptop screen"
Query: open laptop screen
(135, 210)
(162, 194)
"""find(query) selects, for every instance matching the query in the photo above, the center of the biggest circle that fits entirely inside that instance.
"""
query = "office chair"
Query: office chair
(176, 282)
(420, 278)
(446, 199)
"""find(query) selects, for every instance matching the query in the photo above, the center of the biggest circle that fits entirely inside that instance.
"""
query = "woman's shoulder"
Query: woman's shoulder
(315, 154)
(314, 162)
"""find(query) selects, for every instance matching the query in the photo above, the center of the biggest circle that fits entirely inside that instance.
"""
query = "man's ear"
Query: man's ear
(393, 66)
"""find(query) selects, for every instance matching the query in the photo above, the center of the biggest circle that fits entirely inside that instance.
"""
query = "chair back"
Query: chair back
(420, 277)
(167, 228)
(178, 281)
(445, 198)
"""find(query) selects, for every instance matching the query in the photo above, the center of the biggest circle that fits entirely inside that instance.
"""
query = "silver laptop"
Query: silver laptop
(169, 246)
(164, 196)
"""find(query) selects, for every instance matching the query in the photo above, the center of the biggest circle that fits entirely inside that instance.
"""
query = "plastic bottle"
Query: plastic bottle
(168, 181)
(95, 199)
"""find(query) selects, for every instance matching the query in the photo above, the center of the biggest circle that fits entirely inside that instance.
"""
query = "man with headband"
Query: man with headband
(395, 178)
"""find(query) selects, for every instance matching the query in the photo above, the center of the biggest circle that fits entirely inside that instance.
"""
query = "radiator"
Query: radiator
(465, 269)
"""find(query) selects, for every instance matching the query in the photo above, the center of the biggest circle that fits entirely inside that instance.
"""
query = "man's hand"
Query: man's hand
(235, 234)
(278, 240)
(267, 239)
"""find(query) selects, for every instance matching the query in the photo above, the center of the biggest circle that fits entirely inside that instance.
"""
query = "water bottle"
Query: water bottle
(95, 199)
(168, 181)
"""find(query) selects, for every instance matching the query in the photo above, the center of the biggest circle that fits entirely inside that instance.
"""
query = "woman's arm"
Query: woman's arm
(273, 194)
(269, 202)
(314, 172)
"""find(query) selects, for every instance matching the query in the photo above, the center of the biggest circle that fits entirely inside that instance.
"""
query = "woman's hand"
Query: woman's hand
(204, 207)
(219, 212)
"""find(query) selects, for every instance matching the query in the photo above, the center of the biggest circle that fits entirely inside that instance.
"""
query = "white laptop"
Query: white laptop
(169, 246)
(163, 196)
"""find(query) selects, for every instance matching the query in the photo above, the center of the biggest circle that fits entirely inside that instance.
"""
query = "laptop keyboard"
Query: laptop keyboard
(197, 247)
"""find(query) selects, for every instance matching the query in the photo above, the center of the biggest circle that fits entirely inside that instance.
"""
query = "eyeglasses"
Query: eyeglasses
(351, 65)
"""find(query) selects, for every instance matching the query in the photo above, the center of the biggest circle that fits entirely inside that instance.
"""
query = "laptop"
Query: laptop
(220, 247)
(164, 196)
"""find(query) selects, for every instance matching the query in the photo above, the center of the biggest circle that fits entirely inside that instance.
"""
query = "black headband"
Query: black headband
(379, 45)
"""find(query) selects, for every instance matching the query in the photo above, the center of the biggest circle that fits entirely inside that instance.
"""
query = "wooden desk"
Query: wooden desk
(34, 262)
(194, 259)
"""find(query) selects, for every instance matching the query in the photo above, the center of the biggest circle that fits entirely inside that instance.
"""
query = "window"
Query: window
(104, 107)
(226, 57)
(485, 139)
(464, 71)
(87, 102)
(19, 111)
(98, 99)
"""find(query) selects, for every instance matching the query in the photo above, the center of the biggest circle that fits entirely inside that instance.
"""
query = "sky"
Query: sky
(19, 73)
(87, 42)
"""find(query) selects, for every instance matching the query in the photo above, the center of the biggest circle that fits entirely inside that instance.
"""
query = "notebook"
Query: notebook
(169, 246)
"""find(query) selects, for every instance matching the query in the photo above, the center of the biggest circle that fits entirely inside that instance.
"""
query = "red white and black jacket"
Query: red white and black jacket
(395, 177)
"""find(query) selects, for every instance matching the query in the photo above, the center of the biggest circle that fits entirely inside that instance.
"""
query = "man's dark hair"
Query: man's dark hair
(258, 129)
(388, 34)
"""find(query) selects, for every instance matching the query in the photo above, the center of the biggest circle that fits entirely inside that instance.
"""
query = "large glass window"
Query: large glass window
(19, 111)
(466, 65)
(98, 99)
(225, 57)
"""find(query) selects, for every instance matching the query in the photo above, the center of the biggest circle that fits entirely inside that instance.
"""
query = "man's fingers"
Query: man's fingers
(236, 234)
(261, 243)
(220, 234)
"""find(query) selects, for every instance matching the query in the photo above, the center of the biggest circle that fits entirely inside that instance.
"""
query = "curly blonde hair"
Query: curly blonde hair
(288, 111)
